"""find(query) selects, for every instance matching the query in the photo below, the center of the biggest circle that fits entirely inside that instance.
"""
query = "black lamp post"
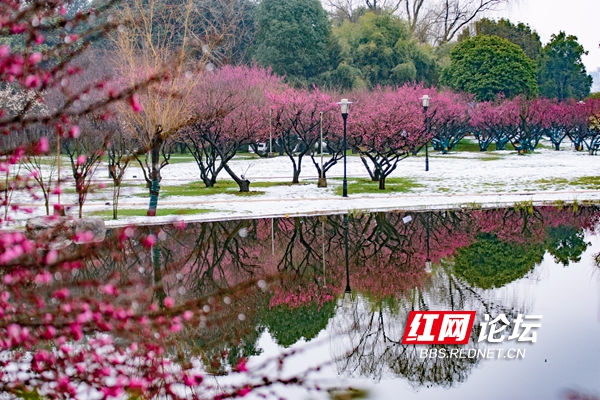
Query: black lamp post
(425, 101)
(345, 107)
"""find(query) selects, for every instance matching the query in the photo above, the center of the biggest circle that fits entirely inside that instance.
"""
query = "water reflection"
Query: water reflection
(438, 260)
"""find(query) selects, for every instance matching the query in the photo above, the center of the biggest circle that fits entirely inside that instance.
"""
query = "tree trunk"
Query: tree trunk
(155, 176)
(47, 201)
(297, 170)
(376, 177)
(116, 192)
(382, 182)
(208, 182)
(243, 184)
(296, 177)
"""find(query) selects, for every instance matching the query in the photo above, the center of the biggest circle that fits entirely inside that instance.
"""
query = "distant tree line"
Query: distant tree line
(414, 41)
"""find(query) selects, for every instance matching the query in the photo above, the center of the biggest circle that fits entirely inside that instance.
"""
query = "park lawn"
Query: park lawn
(584, 182)
(161, 212)
(221, 187)
(472, 146)
(392, 185)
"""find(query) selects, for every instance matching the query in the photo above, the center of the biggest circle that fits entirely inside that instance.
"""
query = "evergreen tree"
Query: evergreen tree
(562, 74)
(380, 48)
(489, 65)
(293, 38)
(519, 34)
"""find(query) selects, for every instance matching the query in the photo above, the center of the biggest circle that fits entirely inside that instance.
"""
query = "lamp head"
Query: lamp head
(345, 106)
(425, 101)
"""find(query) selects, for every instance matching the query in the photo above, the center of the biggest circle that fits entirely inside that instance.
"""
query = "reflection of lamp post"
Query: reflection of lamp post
(348, 290)
(425, 101)
(428, 263)
(323, 248)
(345, 107)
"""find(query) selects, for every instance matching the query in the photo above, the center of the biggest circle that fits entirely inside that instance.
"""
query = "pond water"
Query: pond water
(329, 296)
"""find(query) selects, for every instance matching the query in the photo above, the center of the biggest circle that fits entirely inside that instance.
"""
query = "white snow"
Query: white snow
(458, 179)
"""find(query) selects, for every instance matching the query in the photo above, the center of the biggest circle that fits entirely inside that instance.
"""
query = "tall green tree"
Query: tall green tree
(519, 34)
(294, 38)
(489, 65)
(380, 47)
(562, 74)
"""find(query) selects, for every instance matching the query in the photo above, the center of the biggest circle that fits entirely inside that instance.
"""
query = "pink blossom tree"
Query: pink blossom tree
(296, 117)
(582, 124)
(448, 119)
(489, 124)
(531, 122)
(384, 127)
(230, 110)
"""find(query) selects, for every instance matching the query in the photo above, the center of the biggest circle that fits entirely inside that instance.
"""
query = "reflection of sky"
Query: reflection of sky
(566, 355)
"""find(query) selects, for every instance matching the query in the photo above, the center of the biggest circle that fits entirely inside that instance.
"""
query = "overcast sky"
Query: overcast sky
(576, 17)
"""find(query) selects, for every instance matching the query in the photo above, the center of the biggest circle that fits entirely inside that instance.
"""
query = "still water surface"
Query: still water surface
(529, 261)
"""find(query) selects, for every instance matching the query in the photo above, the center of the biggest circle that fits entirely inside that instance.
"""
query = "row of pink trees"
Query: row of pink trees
(524, 123)
(235, 106)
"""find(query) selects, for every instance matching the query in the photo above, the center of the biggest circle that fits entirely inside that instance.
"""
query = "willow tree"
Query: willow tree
(168, 44)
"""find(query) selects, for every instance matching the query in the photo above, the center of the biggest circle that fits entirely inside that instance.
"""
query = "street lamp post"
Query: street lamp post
(322, 182)
(345, 107)
(270, 154)
(425, 101)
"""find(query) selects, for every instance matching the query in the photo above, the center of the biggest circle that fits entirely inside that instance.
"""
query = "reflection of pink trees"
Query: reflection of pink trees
(208, 274)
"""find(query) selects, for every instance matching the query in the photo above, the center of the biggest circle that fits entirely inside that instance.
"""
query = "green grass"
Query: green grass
(584, 182)
(183, 158)
(491, 158)
(494, 184)
(175, 159)
(471, 145)
(161, 212)
(588, 182)
(392, 185)
(467, 145)
(548, 183)
(224, 186)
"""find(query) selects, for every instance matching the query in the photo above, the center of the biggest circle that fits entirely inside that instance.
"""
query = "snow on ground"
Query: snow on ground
(458, 179)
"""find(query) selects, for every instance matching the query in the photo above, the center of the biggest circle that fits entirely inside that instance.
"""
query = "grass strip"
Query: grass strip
(161, 212)
(392, 185)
